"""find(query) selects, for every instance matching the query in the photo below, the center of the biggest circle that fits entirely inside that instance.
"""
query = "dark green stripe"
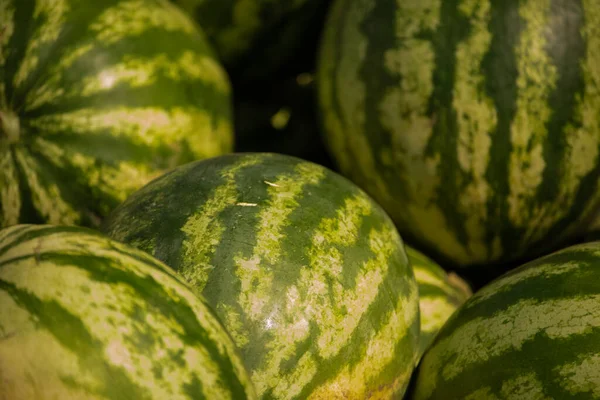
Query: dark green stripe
(581, 282)
(24, 233)
(453, 29)
(336, 22)
(430, 290)
(77, 21)
(500, 69)
(566, 53)
(70, 332)
(540, 356)
(379, 26)
(16, 46)
(100, 269)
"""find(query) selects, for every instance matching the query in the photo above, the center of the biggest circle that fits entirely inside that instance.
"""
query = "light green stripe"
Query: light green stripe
(51, 90)
(256, 278)
(53, 13)
(435, 311)
(524, 387)
(506, 284)
(536, 81)
(10, 235)
(7, 10)
(10, 196)
(108, 319)
(203, 230)
(138, 72)
(582, 376)
(478, 340)
(154, 127)
(351, 382)
(46, 196)
(111, 181)
(134, 17)
(476, 118)
(350, 94)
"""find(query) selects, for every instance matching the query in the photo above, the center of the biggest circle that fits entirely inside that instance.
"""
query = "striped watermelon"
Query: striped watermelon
(534, 333)
(440, 294)
(307, 273)
(83, 317)
(474, 123)
(254, 38)
(97, 98)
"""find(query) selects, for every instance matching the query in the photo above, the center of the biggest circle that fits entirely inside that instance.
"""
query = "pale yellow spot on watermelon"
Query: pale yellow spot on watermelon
(582, 376)
(203, 230)
(10, 196)
(481, 394)
(535, 82)
(68, 284)
(7, 26)
(526, 387)
(477, 119)
(46, 196)
(478, 340)
(134, 17)
(150, 126)
(351, 382)
(137, 72)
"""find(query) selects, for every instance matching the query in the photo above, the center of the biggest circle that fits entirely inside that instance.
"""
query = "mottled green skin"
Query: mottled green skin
(440, 294)
(308, 274)
(96, 99)
(254, 38)
(84, 317)
(534, 333)
(475, 124)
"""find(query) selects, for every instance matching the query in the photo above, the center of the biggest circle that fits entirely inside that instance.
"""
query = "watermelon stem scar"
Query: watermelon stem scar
(9, 126)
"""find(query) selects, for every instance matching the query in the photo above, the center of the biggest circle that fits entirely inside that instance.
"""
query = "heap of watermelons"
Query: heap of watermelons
(311, 199)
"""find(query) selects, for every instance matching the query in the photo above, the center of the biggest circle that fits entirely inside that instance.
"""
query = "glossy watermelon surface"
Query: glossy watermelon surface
(84, 317)
(96, 99)
(307, 273)
(474, 123)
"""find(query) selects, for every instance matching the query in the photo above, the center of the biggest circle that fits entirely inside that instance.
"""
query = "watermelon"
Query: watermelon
(84, 317)
(96, 99)
(307, 273)
(534, 333)
(256, 38)
(440, 294)
(474, 123)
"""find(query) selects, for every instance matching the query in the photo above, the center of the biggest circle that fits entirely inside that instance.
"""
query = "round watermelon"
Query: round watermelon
(474, 123)
(440, 294)
(534, 333)
(84, 317)
(96, 99)
(307, 273)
